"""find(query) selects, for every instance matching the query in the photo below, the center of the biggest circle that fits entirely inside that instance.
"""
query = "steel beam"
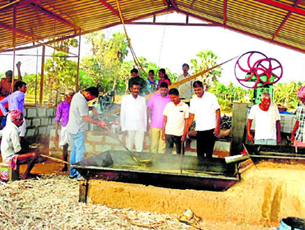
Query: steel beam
(225, 12)
(20, 33)
(285, 20)
(52, 15)
(174, 4)
(170, 24)
(110, 8)
(283, 6)
(245, 32)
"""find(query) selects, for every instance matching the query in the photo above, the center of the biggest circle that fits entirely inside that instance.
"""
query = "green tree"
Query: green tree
(105, 63)
(285, 94)
(60, 71)
(203, 61)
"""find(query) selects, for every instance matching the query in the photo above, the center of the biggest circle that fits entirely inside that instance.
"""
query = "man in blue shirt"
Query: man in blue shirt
(15, 101)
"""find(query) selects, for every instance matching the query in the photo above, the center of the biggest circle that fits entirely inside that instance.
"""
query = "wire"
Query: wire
(162, 40)
(136, 60)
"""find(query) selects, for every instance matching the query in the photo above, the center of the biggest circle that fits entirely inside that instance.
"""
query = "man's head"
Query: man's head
(185, 68)
(21, 86)
(265, 100)
(9, 75)
(163, 89)
(162, 73)
(90, 93)
(69, 94)
(151, 74)
(301, 94)
(135, 89)
(134, 72)
(198, 88)
(174, 96)
(16, 117)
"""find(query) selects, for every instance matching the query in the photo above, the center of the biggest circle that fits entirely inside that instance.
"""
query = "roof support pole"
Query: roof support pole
(42, 75)
(78, 61)
(14, 45)
(225, 12)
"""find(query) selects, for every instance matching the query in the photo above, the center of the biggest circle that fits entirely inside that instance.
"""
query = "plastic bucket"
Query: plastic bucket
(292, 223)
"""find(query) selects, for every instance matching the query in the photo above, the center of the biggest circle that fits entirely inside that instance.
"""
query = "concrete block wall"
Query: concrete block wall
(100, 141)
(97, 142)
(39, 122)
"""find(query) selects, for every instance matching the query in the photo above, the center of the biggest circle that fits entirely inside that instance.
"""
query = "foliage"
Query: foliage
(30, 80)
(104, 66)
(203, 61)
(285, 94)
(60, 71)
(228, 94)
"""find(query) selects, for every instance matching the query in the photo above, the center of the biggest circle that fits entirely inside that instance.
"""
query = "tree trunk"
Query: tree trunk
(126, 89)
(114, 82)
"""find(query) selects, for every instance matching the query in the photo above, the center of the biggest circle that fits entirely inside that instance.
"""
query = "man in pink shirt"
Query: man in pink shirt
(156, 105)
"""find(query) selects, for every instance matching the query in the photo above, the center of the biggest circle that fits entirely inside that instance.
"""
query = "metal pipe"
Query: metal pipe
(78, 61)
(42, 75)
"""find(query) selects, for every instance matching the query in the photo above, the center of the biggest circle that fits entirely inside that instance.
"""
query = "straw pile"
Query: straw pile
(52, 203)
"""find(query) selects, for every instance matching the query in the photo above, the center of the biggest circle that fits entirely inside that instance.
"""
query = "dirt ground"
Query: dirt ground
(52, 203)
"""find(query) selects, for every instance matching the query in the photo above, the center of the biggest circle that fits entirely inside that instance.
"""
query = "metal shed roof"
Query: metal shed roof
(35, 22)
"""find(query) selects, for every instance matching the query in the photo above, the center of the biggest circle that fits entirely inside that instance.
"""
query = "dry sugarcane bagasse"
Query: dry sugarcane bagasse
(52, 203)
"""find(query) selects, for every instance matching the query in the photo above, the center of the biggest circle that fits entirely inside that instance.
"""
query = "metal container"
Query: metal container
(164, 171)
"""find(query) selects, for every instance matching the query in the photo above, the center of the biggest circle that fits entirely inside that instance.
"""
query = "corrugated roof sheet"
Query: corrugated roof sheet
(277, 21)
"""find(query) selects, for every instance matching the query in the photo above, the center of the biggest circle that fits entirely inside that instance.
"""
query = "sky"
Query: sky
(171, 46)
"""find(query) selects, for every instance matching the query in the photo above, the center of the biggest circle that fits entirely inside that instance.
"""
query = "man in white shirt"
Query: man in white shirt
(11, 151)
(267, 122)
(134, 118)
(175, 114)
(206, 108)
(186, 89)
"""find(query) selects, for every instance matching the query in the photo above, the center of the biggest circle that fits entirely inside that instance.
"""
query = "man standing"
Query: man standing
(62, 117)
(16, 101)
(298, 132)
(11, 150)
(6, 83)
(78, 116)
(186, 89)
(156, 105)
(136, 78)
(134, 118)
(206, 108)
(175, 113)
(267, 122)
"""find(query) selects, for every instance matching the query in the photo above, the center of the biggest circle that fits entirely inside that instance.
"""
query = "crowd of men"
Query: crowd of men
(165, 116)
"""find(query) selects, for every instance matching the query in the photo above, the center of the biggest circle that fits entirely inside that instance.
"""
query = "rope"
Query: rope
(162, 40)
(137, 62)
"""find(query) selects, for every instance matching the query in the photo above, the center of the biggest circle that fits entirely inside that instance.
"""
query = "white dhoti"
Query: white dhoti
(64, 137)
(135, 137)
(21, 129)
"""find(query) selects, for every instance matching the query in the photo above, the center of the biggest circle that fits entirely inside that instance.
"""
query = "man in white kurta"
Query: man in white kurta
(267, 122)
(186, 89)
(134, 118)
